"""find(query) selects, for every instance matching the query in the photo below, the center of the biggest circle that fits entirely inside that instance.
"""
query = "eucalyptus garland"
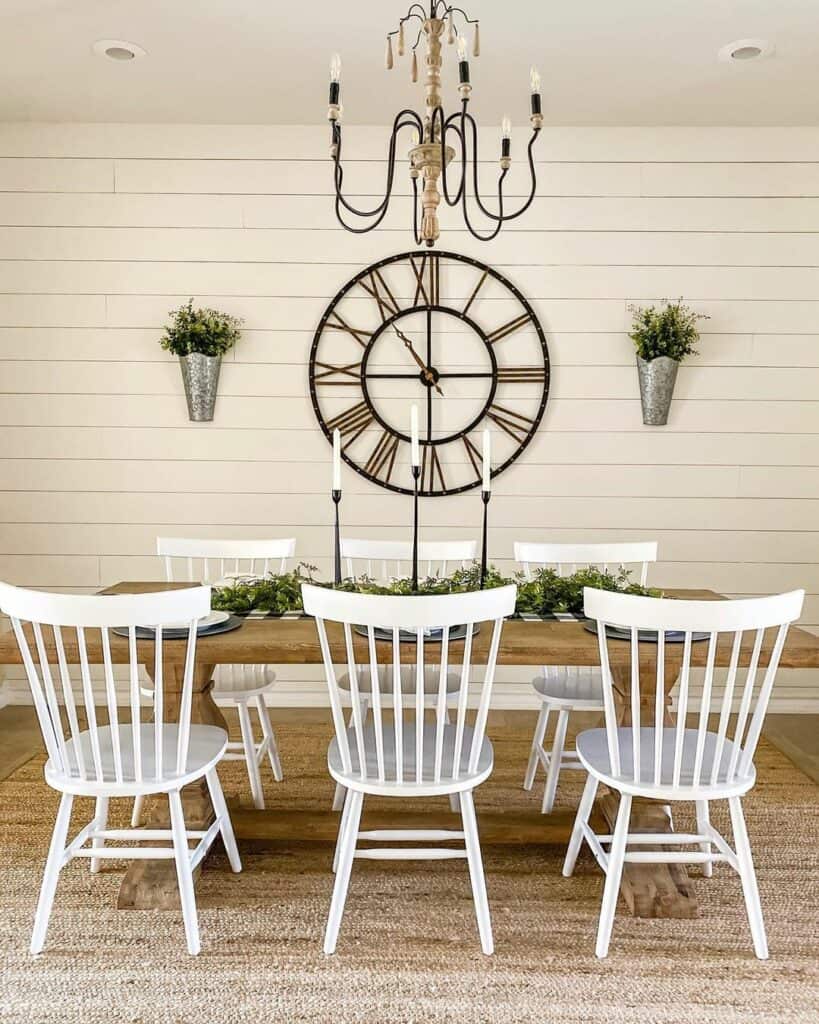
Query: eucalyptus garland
(545, 592)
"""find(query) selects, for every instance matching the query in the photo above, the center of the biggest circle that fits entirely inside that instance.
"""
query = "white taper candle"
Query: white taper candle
(415, 449)
(336, 460)
(487, 465)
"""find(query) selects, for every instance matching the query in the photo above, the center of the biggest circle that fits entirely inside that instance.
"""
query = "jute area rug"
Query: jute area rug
(408, 950)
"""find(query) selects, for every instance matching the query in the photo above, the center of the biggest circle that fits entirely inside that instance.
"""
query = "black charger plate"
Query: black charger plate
(407, 636)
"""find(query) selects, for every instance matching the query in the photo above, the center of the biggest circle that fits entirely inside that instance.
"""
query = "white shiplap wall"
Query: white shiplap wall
(104, 228)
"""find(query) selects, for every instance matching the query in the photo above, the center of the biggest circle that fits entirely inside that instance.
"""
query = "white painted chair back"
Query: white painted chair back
(112, 750)
(382, 559)
(442, 749)
(677, 756)
(566, 559)
(208, 561)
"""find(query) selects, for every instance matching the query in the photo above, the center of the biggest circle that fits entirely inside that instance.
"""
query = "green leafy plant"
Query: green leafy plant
(206, 331)
(545, 592)
(670, 330)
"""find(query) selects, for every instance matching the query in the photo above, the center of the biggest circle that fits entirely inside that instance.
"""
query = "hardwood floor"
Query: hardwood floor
(797, 736)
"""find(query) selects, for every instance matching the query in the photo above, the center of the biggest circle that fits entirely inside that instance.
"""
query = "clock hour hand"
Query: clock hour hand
(426, 371)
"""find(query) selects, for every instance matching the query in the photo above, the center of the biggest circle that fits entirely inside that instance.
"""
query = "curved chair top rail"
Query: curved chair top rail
(103, 610)
(424, 611)
(675, 756)
(570, 557)
(111, 753)
(629, 610)
(237, 556)
(408, 750)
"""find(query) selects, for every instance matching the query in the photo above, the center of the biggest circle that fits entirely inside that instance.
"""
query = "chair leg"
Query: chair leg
(51, 873)
(583, 812)
(249, 745)
(750, 889)
(475, 861)
(537, 744)
(342, 827)
(614, 874)
(555, 759)
(136, 813)
(345, 867)
(703, 820)
(270, 738)
(100, 821)
(184, 873)
(217, 798)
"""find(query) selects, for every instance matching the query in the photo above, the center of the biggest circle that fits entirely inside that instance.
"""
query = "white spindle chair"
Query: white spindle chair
(213, 561)
(115, 754)
(383, 559)
(567, 688)
(673, 762)
(417, 751)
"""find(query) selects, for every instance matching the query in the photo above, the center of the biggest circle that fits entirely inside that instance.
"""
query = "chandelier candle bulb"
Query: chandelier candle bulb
(415, 448)
(506, 143)
(534, 82)
(463, 63)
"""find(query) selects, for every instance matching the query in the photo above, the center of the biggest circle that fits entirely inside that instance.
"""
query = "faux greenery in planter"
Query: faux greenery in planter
(200, 337)
(545, 592)
(663, 336)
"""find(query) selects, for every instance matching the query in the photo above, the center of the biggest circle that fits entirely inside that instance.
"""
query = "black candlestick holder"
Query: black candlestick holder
(416, 473)
(485, 496)
(337, 501)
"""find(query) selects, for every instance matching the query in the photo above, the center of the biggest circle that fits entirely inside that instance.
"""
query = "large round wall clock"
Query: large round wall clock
(445, 333)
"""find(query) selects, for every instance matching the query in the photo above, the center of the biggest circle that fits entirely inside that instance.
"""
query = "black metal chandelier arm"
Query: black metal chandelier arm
(500, 216)
(447, 126)
(380, 209)
(415, 232)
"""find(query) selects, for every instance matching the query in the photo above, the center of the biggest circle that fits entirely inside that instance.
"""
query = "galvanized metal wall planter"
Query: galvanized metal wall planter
(657, 377)
(200, 375)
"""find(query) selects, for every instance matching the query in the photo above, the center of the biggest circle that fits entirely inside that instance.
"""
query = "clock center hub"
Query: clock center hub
(429, 377)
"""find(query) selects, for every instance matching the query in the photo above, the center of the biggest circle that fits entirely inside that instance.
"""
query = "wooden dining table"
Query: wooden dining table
(651, 890)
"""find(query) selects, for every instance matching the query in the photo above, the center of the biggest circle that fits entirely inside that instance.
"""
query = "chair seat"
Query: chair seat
(207, 745)
(432, 675)
(428, 786)
(592, 749)
(572, 687)
(238, 682)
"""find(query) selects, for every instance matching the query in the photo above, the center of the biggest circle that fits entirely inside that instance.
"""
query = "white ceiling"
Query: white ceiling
(265, 61)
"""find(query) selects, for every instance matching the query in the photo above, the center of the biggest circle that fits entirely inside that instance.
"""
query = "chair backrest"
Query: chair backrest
(450, 759)
(744, 624)
(568, 558)
(68, 630)
(381, 559)
(208, 561)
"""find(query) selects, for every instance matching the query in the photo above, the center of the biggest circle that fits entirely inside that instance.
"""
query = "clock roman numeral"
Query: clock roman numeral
(430, 465)
(506, 329)
(474, 294)
(355, 332)
(380, 291)
(383, 456)
(475, 457)
(521, 374)
(428, 279)
(340, 376)
(515, 424)
(354, 420)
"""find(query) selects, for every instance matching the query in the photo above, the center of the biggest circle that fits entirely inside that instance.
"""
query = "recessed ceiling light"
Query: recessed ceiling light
(118, 50)
(743, 50)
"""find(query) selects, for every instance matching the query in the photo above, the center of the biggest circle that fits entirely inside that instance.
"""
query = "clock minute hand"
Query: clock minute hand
(417, 358)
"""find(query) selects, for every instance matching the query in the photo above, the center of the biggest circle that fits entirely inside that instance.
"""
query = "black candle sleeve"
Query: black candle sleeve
(335, 90)
(536, 103)
(463, 71)
(506, 146)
